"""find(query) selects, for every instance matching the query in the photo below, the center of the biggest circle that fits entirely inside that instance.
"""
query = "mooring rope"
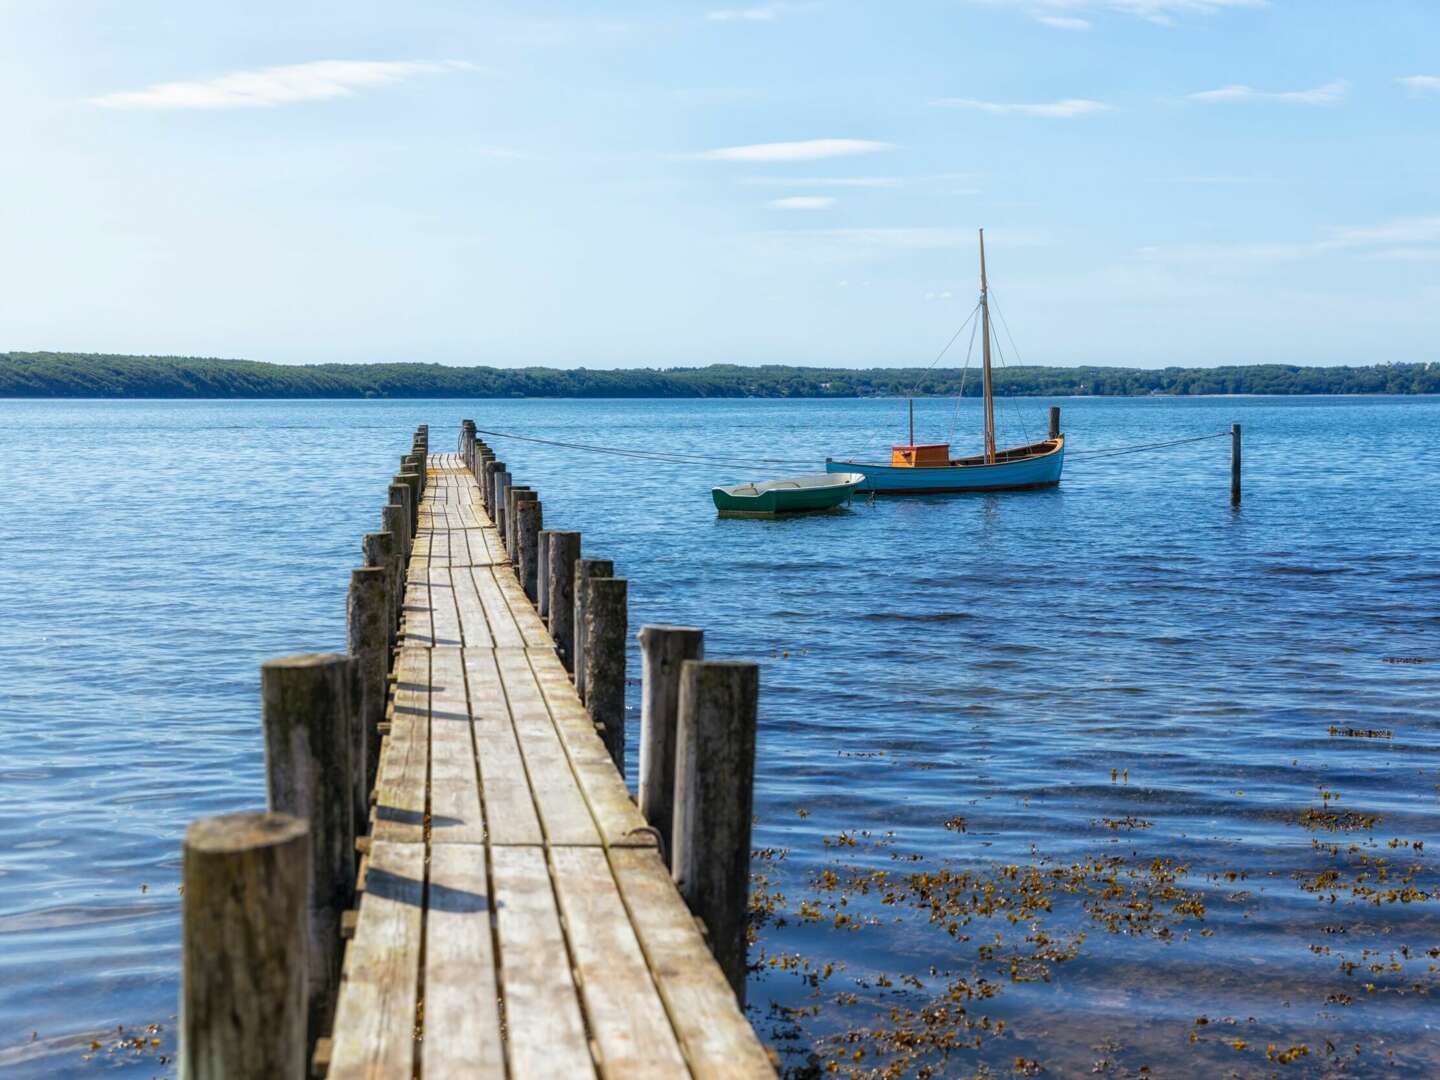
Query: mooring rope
(1135, 448)
(680, 459)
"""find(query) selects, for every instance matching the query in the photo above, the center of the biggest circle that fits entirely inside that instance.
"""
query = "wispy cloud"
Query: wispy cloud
(1421, 84)
(1411, 239)
(1070, 107)
(807, 150)
(943, 294)
(757, 13)
(1332, 93)
(802, 202)
(319, 80)
(1069, 14)
(822, 181)
(903, 238)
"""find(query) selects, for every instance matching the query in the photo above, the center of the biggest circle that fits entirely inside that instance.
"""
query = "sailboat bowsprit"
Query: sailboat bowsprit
(928, 467)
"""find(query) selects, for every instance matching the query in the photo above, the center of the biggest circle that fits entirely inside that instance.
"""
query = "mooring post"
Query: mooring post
(584, 570)
(487, 489)
(305, 709)
(410, 463)
(501, 496)
(519, 497)
(399, 495)
(542, 574)
(529, 517)
(604, 632)
(714, 790)
(379, 551)
(243, 954)
(564, 550)
(1235, 464)
(395, 519)
(368, 641)
(662, 651)
(1054, 421)
(514, 494)
(412, 480)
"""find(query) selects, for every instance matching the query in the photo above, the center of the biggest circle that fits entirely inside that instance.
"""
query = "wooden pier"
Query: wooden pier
(511, 911)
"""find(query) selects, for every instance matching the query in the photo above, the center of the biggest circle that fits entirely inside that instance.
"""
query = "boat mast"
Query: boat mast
(985, 332)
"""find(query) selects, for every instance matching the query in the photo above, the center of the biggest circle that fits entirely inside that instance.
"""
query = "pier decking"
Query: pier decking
(515, 916)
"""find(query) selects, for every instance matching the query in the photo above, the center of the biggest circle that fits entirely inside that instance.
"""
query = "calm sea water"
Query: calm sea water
(1098, 780)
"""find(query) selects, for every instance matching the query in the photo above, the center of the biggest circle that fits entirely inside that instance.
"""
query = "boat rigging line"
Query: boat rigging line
(1135, 448)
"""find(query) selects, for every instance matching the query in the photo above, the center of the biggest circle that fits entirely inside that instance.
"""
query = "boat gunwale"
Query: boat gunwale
(1058, 447)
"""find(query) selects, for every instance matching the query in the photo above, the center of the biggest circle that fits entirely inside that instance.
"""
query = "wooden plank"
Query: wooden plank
(442, 607)
(618, 819)
(375, 1020)
(718, 1042)
(417, 628)
(474, 625)
(405, 753)
(542, 1010)
(509, 807)
(564, 813)
(505, 632)
(627, 1019)
(462, 1018)
(526, 618)
(455, 814)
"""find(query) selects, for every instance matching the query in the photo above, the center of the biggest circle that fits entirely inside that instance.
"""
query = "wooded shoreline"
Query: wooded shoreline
(93, 375)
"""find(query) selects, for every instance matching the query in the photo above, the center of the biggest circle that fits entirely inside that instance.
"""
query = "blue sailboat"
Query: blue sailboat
(917, 469)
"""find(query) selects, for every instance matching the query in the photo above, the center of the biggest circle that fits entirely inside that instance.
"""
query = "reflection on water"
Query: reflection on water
(1106, 780)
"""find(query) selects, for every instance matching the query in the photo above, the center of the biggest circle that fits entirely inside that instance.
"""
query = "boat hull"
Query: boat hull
(1037, 470)
(793, 496)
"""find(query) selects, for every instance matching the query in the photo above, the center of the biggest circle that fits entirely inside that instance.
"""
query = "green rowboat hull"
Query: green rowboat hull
(795, 495)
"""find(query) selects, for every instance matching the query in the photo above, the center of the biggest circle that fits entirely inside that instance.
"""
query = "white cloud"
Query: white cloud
(808, 150)
(802, 202)
(266, 87)
(1068, 14)
(1412, 239)
(1332, 93)
(1070, 107)
(1421, 84)
(822, 181)
(943, 295)
(758, 13)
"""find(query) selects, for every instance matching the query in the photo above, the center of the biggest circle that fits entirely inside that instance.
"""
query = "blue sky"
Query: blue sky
(1161, 181)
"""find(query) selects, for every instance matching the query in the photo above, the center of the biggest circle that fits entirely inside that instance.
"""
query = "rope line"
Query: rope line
(1135, 448)
(680, 459)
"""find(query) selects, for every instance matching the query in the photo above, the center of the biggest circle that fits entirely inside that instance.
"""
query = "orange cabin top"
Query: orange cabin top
(920, 456)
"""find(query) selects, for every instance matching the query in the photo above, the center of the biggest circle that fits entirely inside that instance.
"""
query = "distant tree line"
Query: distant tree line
(52, 374)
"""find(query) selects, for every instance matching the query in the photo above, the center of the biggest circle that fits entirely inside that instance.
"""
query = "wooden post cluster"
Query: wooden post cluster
(1234, 464)
(265, 893)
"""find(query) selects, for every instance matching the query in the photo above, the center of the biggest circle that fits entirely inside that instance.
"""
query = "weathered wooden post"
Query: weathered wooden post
(502, 489)
(412, 480)
(1235, 464)
(714, 790)
(368, 641)
(542, 574)
(380, 550)
(564, 550)
(244, 956)
(487, 487)
(605, 630)
(529, 517)
(1054, 421)
(410, 463)
(663, 649)
(305, 709)
(399, 495)
(514, 494)
(584, 570)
